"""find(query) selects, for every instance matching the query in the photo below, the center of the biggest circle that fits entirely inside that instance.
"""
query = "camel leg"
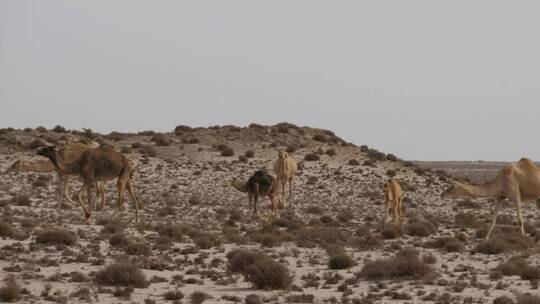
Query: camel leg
(59, 192)
(290, 187)
(135, 200)
(100, 190)
(520, 216)
(87, 186)
(67, 179)
(121, 190)
(496, 210)
(386, 212)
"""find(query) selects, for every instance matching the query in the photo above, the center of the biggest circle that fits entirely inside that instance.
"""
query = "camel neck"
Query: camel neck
(480, 191)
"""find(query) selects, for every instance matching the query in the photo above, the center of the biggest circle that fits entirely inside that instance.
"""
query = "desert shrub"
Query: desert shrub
(116, 136)
(141, 249)
(466, 219)
(312, 157)
(249, 154)
(429, 258)
(161, 140)
(113, 226)
(375, 155)
(331, 152)
(6, 230)
(345, 216)
(11, 291)
(174, 232)
(406, 263)
(354, 162)
(239, 260)
(242, 159)
(528, 298)
(173, 295)
(390, 232)
(512, 266)
(56, 236)
(391, 173)
(59, 129)
(340, 261)
(253, 299)
(205, 240)
(320, 138)
(227, 151)
(420, 228)
(449, 244)
(391, 157)
(291, 148)
(179, 130)
(269, 274)
(193, 141)
(503, 300)
(125, 150)
(122, 274)
(118, 240)
(21, 200)
(504, 242)
(314, 209)
(199, 297)
(147, 150)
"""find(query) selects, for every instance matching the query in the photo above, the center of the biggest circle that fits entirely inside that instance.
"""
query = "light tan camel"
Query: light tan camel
(285, 168)
(260, 184)
(99, 164)
(517, 182)
(393, 197)
(46, 166)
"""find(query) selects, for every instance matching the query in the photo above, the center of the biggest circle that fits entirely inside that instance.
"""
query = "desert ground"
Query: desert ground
(197, 242)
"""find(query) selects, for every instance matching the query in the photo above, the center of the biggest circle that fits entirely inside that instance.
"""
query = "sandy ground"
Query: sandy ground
(186, 184)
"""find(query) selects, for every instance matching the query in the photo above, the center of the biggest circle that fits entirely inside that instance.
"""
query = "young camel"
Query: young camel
(260, 184)
(46, 166)
(393, 197)
(517, 182)
(285, 168)
(99, 164)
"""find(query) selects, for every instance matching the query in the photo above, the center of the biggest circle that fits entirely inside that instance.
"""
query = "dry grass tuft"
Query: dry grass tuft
(11, 291)
(258, 268)
(56, 236)
(122, 274)
(340, 261)
(405, 264)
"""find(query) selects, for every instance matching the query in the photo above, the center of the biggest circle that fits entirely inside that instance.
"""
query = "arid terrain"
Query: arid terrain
(197, 241)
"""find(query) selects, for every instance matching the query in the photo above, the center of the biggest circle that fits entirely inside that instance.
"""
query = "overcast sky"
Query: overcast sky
(425, 80)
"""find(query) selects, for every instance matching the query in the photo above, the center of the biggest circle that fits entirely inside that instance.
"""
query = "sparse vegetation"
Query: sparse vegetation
(56, 236)
(122, 274)
(340, 261)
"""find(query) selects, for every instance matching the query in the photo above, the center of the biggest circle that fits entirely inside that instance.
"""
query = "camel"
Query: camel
(517, 182)
(46, 166)
(98, 164)
(285, 168)
(393, 197)
(260, 184)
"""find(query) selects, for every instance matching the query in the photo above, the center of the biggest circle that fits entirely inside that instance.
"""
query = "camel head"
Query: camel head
(452, 191)
(283, 155)
(48, 152)
(14, 168)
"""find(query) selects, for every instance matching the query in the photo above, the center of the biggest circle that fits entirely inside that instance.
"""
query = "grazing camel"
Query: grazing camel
(517, 182)
(260, 184)
(98, 164)
(46, 166)
(393, 197)
(285, 168)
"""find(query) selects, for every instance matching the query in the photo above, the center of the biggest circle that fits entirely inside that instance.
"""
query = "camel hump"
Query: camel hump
(526, 163)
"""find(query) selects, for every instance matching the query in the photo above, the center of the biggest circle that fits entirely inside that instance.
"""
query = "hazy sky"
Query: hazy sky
(427, 80)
